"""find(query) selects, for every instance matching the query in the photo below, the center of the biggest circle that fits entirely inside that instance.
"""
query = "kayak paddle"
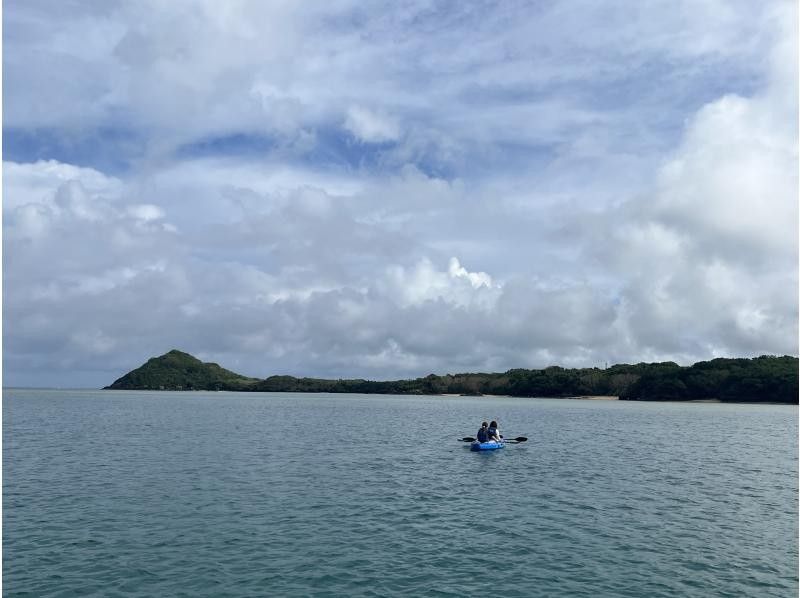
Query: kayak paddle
(517, 439)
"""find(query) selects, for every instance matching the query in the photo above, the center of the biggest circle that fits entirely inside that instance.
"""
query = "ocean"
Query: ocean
(114, 493)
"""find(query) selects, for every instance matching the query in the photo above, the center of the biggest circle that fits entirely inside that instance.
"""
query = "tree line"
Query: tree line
(760, 379)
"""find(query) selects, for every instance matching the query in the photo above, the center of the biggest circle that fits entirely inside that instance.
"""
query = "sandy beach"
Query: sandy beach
(597, 398)
(586, 397)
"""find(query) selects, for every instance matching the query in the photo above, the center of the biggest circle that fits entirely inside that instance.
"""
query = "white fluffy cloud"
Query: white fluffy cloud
(340, 191)
(710, 260)
(369, 126)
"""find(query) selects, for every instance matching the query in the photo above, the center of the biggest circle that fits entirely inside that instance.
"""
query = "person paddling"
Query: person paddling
(494, 433)
(483, 433)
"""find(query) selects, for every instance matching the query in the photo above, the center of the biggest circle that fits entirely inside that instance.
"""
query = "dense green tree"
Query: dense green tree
(177, 370)
(762, 379)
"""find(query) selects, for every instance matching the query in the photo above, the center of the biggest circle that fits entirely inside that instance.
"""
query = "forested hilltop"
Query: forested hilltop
(177, 370)
(760, 379)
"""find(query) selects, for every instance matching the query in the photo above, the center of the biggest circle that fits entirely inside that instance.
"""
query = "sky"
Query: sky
(387, 190)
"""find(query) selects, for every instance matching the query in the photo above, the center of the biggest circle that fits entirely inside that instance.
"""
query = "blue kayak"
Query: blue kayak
(486, 446)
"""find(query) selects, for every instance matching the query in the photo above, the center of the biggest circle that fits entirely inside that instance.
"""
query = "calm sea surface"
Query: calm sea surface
(218, 494)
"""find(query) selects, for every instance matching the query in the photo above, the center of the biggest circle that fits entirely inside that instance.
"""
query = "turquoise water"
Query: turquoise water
(220, 494)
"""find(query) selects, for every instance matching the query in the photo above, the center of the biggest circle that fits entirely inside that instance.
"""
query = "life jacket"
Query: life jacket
(483, 435)
(491, 432)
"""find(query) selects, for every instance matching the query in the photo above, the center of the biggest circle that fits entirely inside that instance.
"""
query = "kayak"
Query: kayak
(486, 446)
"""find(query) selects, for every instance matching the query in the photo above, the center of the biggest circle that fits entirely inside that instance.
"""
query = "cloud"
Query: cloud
(476, 279)
(710, 260)
(33, 183)
(146, 212)
(339, 190)
(370, 127)
(424, 282)
(184, 72)
(298, 277)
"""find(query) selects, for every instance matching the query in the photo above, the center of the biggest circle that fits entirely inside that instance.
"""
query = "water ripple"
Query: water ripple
(186, 494)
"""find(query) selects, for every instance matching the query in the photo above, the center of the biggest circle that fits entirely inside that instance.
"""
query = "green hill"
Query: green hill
(760, 379)
(180, 371)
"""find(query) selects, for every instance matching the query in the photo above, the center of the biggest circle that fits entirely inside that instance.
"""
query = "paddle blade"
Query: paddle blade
(521, 439)
(468, 439)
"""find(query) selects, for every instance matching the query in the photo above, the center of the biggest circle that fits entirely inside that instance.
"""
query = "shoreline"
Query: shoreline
(458, 394)
(709, 401)
(579, 397)
(776, 376)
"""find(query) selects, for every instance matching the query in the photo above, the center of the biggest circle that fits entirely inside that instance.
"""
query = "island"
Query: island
(764, 379)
